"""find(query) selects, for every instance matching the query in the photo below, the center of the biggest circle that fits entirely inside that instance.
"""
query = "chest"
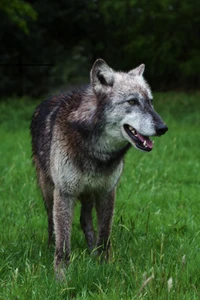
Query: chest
(101, 181)
(77, 181)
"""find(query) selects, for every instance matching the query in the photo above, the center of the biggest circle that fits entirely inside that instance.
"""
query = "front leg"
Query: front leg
(105, 209)
(62, 214)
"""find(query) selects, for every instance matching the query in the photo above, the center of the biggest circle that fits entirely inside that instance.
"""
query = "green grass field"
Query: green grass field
(156, 228)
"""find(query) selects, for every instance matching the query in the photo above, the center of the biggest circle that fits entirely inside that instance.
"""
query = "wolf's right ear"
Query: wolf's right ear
(137, 71)
(101, 75)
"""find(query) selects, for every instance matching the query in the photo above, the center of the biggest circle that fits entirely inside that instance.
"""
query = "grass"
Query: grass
(156, 228)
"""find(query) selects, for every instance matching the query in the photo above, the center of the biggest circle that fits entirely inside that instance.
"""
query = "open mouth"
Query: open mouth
(141, 142)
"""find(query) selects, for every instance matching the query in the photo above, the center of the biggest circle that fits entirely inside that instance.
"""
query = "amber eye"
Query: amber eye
(132, 101)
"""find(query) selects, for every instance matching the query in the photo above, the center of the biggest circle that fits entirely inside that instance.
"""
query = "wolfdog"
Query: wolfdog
(79, 140)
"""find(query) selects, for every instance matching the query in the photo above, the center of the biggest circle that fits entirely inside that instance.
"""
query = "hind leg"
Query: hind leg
(48, 199)
(47, 191)
(105, 209)
(47, 188)
(87, 222)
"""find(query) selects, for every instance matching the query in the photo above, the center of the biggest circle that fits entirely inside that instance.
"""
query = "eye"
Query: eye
(133, 101)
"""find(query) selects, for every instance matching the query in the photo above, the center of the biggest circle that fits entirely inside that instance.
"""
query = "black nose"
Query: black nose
(161, 129)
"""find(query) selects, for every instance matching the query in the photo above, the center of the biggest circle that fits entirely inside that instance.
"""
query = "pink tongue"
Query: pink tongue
(143, 138)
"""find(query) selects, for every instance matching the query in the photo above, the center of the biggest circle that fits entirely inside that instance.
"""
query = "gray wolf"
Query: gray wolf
(79, 140)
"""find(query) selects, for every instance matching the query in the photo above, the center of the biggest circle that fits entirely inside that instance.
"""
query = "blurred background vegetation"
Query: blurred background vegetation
(45, 45)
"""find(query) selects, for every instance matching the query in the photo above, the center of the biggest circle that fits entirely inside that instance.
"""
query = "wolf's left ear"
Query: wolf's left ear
(101, 75)
(138, 71)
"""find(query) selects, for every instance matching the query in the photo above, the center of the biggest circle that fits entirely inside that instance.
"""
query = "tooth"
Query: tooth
(145, 143)
(133, 131)
(130, 128)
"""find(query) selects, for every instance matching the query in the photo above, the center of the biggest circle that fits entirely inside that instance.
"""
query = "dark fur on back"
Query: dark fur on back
(80, 132)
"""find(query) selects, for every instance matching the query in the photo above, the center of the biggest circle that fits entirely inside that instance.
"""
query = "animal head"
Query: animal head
(130, 114)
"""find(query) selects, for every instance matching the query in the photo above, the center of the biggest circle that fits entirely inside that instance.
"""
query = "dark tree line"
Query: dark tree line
(46, 45)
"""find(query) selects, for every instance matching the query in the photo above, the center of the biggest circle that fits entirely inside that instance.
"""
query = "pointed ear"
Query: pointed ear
(101, 75)
(138, 71)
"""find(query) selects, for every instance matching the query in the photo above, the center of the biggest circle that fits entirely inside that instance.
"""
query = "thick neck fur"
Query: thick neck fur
(90, 125)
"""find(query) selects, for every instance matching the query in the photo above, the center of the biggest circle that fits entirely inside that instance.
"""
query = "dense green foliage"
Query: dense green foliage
(67, 36)
(155, 238)
(17, 11)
